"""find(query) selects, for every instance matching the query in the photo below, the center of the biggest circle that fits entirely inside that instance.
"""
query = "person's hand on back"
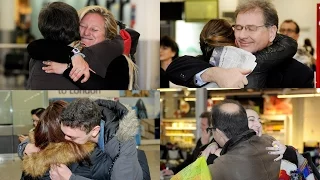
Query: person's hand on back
(80, 67)
(54, 67)
(226, 78)
(277, 149)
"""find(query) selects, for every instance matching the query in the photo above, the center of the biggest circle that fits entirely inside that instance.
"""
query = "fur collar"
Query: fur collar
(39, 163)
(128, 126)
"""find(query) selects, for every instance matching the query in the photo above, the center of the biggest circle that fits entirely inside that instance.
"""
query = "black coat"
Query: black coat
(105, 58)
(164, 80)
(275, 68)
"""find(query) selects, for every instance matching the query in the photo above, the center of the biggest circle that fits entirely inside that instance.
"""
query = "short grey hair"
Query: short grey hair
(268, 9)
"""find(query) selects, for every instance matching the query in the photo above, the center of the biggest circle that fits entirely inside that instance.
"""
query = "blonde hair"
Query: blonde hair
(111, 27)
(110, 23)
(133, 73)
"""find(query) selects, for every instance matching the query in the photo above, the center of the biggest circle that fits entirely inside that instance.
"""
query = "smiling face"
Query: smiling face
(92, 29)
(254, 121)
(253, 41)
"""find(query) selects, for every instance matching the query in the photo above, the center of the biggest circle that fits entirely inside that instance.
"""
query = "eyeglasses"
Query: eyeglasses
(210, 129)
(251, 28)
(287, 30)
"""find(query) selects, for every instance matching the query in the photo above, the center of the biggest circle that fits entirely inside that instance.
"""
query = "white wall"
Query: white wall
(147, 57)
(304, 13)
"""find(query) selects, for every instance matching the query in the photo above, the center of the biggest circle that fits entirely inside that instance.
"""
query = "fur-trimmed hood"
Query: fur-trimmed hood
(120, 120)
(39, 163)
(128, 126)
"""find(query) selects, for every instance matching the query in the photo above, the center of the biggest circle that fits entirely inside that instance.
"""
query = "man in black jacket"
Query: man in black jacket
(255, 29)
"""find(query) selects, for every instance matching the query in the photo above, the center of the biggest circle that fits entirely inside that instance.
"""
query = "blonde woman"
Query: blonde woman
(102, 48)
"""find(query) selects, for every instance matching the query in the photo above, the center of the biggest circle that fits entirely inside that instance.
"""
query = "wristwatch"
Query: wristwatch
(76, 51)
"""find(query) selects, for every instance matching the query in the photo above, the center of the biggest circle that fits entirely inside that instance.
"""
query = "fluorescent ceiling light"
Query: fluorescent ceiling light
(298, 95)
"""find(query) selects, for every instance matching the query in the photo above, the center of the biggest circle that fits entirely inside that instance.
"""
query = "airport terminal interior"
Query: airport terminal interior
(170, 116)
(288, 115)
(16, 120)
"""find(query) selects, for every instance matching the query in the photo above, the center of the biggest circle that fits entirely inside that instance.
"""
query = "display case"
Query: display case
(180, 131)
(178, 122)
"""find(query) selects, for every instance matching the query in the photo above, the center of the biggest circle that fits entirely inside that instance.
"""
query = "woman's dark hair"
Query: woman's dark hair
(166, 41)
(48, 129)
(217, 32)
(37, 112)
(59, 22)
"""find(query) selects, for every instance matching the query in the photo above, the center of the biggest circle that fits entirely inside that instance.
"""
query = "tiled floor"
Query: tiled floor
(10, 165)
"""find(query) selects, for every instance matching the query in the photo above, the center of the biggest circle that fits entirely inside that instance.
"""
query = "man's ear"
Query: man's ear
(95, 131)
(272, 33)
(222, 135)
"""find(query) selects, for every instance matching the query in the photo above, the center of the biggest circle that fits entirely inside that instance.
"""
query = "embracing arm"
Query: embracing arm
(100, 55)
(282, 49)
(182, 70)
(44, 49)
(94, 82)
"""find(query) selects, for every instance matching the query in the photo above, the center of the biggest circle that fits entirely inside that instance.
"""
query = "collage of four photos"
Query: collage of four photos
(84, 97)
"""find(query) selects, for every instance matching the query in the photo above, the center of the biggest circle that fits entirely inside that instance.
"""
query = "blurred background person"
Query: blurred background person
(206, 138)
(169, 51)
(290, 28)
(308, 46)
(35, 114)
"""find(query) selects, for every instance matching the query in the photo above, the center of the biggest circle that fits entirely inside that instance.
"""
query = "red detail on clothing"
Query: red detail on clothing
(283, 175)
(126, 41)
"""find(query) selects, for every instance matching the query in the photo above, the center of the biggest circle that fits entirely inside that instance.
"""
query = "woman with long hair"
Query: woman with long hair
(55, 149)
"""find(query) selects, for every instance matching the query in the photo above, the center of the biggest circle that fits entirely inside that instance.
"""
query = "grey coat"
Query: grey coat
(121, 126)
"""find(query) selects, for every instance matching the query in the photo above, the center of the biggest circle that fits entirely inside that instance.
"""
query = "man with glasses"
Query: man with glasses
(243, 154)
(291, 28)
(254, 30)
